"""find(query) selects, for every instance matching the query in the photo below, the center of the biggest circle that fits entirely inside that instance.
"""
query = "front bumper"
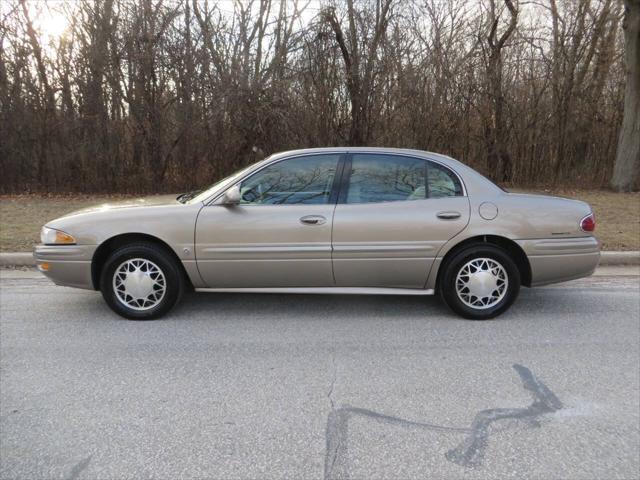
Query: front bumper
(561, 259)
(68, 265)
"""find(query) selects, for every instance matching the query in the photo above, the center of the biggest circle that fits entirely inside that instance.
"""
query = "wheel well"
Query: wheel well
(511, 247)
(107, 247)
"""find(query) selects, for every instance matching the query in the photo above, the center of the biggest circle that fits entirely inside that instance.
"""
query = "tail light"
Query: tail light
(588, 223)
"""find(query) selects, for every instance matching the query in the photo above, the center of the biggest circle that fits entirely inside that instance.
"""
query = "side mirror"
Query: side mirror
(231, 196)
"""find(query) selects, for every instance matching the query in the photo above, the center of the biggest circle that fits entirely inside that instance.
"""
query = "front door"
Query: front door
(280, 233)
(393, 215)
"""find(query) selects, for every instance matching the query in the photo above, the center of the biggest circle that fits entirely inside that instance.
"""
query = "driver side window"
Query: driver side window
(303, 180)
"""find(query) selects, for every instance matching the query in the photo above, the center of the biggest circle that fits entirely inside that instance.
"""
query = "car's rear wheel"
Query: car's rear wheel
(141, 281)
(480, 282)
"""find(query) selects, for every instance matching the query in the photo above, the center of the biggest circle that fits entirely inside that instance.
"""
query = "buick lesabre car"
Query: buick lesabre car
(333, 220)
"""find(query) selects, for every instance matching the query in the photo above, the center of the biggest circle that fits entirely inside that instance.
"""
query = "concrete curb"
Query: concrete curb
(24, 259)
(17, 259)
(620, 258)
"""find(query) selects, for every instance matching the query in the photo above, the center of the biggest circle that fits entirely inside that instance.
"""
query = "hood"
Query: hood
(152, 201)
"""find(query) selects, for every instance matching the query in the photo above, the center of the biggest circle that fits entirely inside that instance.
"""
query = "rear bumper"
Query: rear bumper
(68, 265)
(561, 259)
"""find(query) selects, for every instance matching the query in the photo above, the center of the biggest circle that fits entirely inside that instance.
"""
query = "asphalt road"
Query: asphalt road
(269, 386)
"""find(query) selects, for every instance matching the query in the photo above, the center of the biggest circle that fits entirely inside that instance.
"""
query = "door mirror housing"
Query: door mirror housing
(232, 196)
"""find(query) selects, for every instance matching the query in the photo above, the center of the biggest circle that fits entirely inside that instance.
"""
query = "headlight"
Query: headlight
(51, 236)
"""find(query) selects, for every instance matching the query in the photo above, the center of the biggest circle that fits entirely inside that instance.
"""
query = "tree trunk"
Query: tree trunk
(627, 166)
(498, 157)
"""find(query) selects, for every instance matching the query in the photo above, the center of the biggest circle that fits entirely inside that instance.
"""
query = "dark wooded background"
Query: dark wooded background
(150, 96)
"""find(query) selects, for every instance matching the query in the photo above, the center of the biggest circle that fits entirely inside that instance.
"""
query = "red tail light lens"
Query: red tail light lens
(588, 223)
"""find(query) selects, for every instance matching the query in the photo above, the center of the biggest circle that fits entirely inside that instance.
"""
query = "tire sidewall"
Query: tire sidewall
(173, 280)
(451, 269)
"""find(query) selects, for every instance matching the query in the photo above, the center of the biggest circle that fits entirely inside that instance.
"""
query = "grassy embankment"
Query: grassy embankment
(21, 216)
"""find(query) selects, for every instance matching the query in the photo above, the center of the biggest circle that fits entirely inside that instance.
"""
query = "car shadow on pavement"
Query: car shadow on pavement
(298, 306)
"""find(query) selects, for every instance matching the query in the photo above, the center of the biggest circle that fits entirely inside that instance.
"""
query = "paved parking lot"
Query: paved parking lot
(271, 386)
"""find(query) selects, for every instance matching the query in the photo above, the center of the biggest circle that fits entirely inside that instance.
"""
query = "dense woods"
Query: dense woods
(168, 95)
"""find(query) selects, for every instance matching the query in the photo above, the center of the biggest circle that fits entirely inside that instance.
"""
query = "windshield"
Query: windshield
(222, 184)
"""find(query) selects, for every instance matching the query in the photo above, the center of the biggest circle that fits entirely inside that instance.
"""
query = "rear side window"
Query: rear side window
(391, 178)
(442, 182)
(386, 178)
(303, 180)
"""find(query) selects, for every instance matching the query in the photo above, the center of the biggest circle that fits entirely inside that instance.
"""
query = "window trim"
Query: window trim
(346, 177)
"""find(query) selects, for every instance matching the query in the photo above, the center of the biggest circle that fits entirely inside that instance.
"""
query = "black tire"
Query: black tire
(155, 256)
(453, 266)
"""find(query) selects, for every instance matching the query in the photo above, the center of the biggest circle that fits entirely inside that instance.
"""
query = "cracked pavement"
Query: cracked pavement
(273, 386)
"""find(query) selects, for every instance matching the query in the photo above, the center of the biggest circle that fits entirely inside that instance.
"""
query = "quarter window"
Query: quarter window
(303, 180)
(442, 182)
(386, 178)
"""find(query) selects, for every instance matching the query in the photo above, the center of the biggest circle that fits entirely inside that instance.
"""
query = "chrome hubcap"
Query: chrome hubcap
(481, 283)
(139, 284)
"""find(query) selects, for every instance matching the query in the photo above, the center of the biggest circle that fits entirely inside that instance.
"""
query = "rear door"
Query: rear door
(394, 213)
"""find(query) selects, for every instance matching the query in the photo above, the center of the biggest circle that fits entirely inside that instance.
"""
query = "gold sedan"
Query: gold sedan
(332, 220)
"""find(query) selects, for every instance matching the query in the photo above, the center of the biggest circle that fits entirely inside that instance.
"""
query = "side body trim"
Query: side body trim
(325, 290)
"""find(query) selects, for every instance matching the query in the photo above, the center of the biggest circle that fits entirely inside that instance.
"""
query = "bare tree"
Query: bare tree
(627, 164)
(360, 59)
(166, 95)
(497, 155)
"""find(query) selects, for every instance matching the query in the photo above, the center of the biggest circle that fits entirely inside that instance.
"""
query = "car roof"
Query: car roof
(474, 182)
(405, 151)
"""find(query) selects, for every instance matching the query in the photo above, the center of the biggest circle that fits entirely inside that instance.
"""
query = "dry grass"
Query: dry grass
(21, 216)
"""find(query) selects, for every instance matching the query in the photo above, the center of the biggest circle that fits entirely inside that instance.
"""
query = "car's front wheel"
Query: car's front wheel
(141, 281)
(480, 282)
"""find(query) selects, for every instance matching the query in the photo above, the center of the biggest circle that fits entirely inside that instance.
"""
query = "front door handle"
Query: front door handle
(313, 220)
(448, 215)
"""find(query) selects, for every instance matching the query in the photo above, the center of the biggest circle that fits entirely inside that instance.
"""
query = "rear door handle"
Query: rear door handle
(448, 215)
(313, 220)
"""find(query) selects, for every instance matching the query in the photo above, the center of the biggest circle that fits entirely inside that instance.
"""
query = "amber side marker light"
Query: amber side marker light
(62, 237)
(43, 267)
